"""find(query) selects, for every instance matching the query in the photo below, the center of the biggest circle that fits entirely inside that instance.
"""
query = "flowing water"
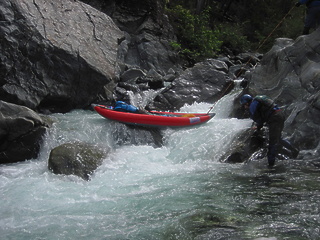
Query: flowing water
(177, 191)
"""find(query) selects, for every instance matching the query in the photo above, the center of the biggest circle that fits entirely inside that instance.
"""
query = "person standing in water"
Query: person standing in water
(312, 19)
(263, 110)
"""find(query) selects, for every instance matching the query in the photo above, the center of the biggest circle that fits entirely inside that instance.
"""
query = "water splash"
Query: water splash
(141, 99)
(177, 191)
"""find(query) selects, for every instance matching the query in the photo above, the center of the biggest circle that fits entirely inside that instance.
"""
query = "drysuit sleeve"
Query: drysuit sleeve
(303, 1)
(255, 115)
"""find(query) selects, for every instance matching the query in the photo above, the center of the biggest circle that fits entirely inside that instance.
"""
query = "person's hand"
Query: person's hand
(298, 4)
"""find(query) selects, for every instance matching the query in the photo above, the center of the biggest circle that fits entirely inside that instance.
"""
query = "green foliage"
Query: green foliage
(196, 39)
(233, 37)
(293, 24)
(238, 25)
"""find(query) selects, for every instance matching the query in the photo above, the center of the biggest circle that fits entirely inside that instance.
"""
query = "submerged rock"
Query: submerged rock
(210, 226)
(76, 158)
(243, 146)
(123, 134)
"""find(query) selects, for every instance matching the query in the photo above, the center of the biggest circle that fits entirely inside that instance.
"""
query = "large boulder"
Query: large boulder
(289, 73)
(56, 55)
(76, 158)
(251, 145)
(21, 130)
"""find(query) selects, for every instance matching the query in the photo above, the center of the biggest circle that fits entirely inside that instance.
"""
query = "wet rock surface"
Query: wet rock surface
(55, 55)
(76, 158)
(289, 74)
(21, 131)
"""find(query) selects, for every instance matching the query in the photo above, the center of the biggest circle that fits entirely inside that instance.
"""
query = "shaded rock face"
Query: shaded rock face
(78, 158)
(21, 130)
(289, 73)
(123, 134)
(55, 55)
(148, 33)
(205, 82)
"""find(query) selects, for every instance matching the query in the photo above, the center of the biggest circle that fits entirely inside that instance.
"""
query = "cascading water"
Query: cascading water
(177, 191)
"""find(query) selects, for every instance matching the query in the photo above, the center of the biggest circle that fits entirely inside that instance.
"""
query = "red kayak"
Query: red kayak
(154, 118)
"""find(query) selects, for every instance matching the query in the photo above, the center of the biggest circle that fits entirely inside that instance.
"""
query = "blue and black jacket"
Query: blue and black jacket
(310, 3)
(261, 109)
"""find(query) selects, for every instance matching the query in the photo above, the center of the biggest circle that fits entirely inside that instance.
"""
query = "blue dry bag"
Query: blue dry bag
(124, 107)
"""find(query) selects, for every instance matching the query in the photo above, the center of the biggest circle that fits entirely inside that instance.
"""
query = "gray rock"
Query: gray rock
(217, 64)
(148, 33)
(248, 58)
(131, 75)
(289, 73)
(242, 147)
(56, 55)
(123, 134)
(154, 79)
(205, 82)
(169, 77)
(21, 130)
(77, 158)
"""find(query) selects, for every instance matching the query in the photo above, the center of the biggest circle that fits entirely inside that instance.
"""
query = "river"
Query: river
(177, 191)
